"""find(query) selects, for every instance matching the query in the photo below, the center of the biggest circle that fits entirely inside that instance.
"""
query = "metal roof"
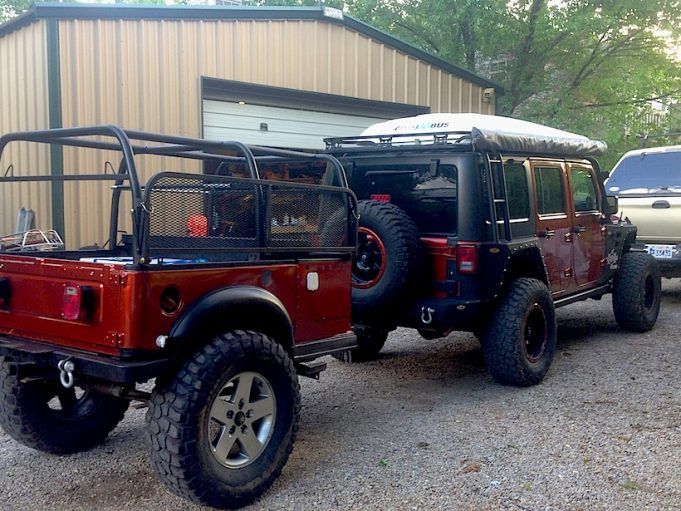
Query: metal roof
(192, 12)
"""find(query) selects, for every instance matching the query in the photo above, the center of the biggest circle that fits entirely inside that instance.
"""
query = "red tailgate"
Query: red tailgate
(34, 307)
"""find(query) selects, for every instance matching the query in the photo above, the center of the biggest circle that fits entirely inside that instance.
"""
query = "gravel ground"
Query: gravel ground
(425, 427)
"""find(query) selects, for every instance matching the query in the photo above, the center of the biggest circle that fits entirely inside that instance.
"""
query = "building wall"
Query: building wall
(24, 106)
(145, 74)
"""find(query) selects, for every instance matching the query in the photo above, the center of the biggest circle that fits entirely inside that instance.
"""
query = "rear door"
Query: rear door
(587, 224)
(554, 222)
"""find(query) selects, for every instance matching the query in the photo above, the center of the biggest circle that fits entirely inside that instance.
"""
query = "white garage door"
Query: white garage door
(276, 126)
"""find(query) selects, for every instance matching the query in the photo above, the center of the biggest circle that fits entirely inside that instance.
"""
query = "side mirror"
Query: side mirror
(613, 205)
(603, 175)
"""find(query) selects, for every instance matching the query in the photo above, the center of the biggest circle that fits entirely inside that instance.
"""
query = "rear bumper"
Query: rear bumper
(443, 314)
(669, 266)
(86, 364)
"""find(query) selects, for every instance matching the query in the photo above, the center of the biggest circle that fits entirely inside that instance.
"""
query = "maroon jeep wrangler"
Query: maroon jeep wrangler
(221, 286)
(487, 224)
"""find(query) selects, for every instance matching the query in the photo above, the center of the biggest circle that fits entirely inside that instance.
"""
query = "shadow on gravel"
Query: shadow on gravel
(670, 294)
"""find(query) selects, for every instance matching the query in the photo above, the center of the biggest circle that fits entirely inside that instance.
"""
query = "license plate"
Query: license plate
(661, 251)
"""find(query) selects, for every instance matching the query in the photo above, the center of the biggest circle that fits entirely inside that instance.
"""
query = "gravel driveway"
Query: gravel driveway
(425, 427)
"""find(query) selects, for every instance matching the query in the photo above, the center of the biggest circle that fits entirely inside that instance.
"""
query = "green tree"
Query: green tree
(11, 8)
(582, 65)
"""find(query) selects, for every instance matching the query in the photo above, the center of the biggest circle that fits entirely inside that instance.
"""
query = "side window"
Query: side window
(518, 191)
(584, 193)
(550, 198)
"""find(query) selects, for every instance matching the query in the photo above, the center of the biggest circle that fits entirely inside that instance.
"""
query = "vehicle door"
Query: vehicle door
(587, 224)
(554, 222)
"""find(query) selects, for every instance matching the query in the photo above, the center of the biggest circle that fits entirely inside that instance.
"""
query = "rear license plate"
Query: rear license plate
(661, 251)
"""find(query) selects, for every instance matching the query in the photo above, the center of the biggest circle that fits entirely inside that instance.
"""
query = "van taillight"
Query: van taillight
(76, 302)
(467, 258)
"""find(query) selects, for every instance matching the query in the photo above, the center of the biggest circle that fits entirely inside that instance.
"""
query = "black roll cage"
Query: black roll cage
(148, 143)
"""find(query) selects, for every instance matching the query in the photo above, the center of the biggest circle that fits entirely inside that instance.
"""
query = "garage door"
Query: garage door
(277, 126)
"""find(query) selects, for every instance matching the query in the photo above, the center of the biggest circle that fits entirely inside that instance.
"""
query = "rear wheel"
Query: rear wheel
(223, 427)
(370, 342)
(45, 416)
(520, 341)
(636, 292)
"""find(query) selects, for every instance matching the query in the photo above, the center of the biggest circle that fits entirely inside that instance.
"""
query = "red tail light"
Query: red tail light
(467, 258)
(76, 302)
(381, 197)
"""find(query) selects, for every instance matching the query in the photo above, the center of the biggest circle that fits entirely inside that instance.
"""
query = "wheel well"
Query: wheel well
(238, 308)
(526, 263)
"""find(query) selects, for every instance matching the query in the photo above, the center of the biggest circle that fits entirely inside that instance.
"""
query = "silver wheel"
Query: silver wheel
(241, 420)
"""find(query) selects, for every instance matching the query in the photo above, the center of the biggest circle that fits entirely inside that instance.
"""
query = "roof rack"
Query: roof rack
(401, 139)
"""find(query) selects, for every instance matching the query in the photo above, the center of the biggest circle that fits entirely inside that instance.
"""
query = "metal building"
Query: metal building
(277, 76)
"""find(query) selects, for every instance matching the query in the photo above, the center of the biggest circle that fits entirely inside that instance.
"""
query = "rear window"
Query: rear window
(426, 191)
(645, 173)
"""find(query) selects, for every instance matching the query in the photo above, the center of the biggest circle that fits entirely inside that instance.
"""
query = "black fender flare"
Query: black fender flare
(233, 308)
(523, 261)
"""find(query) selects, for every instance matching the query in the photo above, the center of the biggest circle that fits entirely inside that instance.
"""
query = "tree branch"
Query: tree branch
(671, 94)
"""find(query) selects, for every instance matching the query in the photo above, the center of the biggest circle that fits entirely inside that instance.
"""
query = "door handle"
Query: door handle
(579, 229)
(546, 233)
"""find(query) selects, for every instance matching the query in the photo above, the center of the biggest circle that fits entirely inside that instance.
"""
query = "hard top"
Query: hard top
(469, 131)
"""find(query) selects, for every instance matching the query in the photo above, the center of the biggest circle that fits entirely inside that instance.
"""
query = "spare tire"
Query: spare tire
(388, 261)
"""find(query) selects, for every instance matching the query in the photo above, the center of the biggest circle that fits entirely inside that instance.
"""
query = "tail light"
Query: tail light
(76, 302)
(381, 197)
(467, 259)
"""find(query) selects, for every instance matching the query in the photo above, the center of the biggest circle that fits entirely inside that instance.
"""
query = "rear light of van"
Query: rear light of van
(467, 259)
(76, 302)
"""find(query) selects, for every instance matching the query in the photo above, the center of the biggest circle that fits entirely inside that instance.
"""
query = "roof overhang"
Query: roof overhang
(66, 11)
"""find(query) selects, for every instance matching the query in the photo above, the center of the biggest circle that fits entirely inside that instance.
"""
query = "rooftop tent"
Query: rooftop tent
(486, 132)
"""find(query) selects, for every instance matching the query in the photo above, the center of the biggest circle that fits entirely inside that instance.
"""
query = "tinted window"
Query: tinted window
(518, 191)
(647, 172)
(427, 192)
(549, 190)
(584, 193)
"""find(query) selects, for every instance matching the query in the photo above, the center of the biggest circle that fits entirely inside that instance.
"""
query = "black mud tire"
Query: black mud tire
(370, 342)
(44, 416)
(181, 413)
(636, 292)
(520, 341)
(396, 275)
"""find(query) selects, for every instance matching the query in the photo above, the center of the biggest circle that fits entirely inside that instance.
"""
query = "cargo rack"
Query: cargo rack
(367, 142)
(131, 143)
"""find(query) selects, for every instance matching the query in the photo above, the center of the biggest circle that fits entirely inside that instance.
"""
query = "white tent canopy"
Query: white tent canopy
(489, 132)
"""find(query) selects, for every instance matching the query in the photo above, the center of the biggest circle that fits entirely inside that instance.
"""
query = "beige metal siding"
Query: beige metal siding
(146, 75)
(23, 106)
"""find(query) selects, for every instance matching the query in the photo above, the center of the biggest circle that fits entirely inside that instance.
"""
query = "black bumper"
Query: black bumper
(442, 314)
(101, 367)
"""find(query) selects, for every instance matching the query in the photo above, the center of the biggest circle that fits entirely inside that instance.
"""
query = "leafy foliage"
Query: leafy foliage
(582, 65)
(11, 8)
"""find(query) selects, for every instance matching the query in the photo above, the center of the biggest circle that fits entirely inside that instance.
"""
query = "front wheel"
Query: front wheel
(520, 341)
(45, 416)
(223, 426)
(636, 292)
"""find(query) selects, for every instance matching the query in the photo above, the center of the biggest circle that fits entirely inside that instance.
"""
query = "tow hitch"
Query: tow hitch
(66, 368)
